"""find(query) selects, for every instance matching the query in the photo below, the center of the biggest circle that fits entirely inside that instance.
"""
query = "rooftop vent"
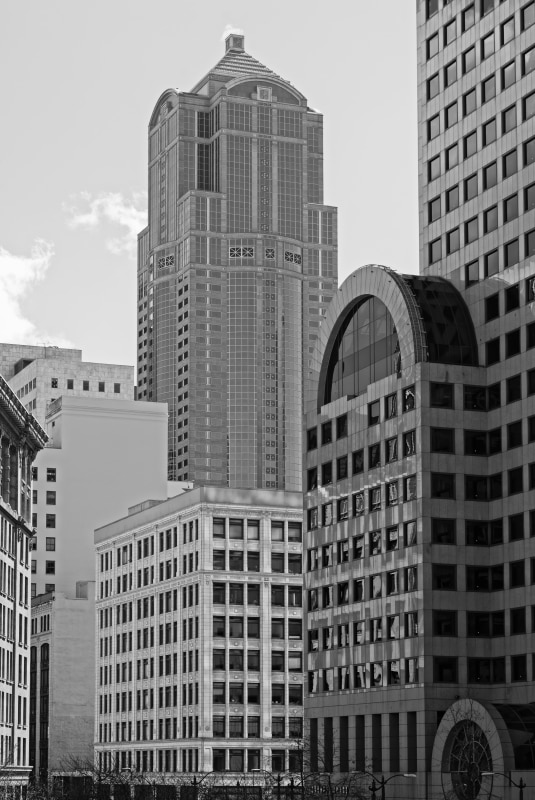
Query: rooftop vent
(234, 41)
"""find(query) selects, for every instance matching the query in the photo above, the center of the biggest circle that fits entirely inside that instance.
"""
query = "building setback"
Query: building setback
(21, 437)
(235, 270)
(420, 455)
(199, 634)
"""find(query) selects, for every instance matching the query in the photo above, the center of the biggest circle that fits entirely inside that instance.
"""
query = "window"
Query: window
(434, 209)
(452, 198)
(468, 17)
(528, 106)
(433, 86)
(470, 187)
(432, 46)
(433, 168)
(435, 251)
(530, 244)
(490, 219)
(449, 32)
(408, 398)
(374, 411)
(513, 388)
(312, 439)
(469, 59)
(450, 73)
(326, 473)
(441, 395)
(85, 386)
(452, 156)
(529, 197)
(101, 386)
(510, 208)
(488, 89)
(509, 164)
(469, 102)
(512, 343)
(486, 7)
(509, 119)
(508, 30)
(516, 527)
(471, 230)
(50, 520)
(517, 574)
(445, 669)
(491, 262)
(358, 461)
(515, 480)
(442, 440)
(490, 175)
(341, 426)
(391, 450)
(341, 468)
(514, 434)
(431, 8)
(443, 485)
(51, 498)
(50, 543)
(374, 456)
(50, 567)
(391, 406)
(443, 531)
(527, 17)
(493, 351)
(326, 432)
(518, 668)
(470, 144)
(51, 474)
(409, 488)
(433, 127)
(451, 114)
(487, 45)
(445, 623)
(511, 253)
(444, 577)
(489, 132)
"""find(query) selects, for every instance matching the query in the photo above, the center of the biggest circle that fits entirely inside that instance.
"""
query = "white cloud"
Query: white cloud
(18, 276)
(229, 28)
(113, 209)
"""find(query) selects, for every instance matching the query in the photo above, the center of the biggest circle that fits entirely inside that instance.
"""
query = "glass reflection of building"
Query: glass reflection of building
(235, 270)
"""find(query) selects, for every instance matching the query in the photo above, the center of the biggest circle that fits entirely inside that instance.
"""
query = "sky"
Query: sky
(78, 83)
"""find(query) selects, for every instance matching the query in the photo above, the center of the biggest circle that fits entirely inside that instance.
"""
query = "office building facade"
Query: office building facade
(62, 686)
(235, 270)
(40, 374)
(420, 511)
(21, 438)
(199, 635)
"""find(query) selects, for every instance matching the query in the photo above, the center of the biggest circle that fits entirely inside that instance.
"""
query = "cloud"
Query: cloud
(111, 209)
(231, 29)
(18, 276)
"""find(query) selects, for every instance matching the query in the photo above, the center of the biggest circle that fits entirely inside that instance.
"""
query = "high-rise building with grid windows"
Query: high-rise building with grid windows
(235, 270)
(420, 448)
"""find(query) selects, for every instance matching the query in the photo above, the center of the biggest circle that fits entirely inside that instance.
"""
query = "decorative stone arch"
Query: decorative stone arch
(386, 285)
(170, 96)
(491, 731)
(266, 80)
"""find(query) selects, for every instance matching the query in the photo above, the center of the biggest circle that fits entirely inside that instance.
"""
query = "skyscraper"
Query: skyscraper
(235, 270)
(421, 447)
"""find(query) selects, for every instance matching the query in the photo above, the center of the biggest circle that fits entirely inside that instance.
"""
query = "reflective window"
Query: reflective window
(366, 350)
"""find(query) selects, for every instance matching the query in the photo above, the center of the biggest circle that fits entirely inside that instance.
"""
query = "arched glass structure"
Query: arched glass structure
(365, 350)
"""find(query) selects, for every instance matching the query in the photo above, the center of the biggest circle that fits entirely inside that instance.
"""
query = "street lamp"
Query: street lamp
(520, 785)
(379, 784)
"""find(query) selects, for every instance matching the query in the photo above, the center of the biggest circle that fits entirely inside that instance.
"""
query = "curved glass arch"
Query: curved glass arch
(366, 349)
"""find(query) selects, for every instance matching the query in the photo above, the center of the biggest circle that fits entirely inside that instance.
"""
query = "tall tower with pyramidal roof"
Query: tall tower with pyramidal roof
(235, 270)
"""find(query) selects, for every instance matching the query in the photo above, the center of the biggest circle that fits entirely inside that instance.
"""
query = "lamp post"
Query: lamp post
(378, 784)
(520, 785)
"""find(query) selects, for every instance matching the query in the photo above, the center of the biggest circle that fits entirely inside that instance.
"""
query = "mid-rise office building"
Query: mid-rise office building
(235, 270)
(421, 454)
(199, 635)
(62, 686)
(102, 456)
(21, 438)
(41, 374)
